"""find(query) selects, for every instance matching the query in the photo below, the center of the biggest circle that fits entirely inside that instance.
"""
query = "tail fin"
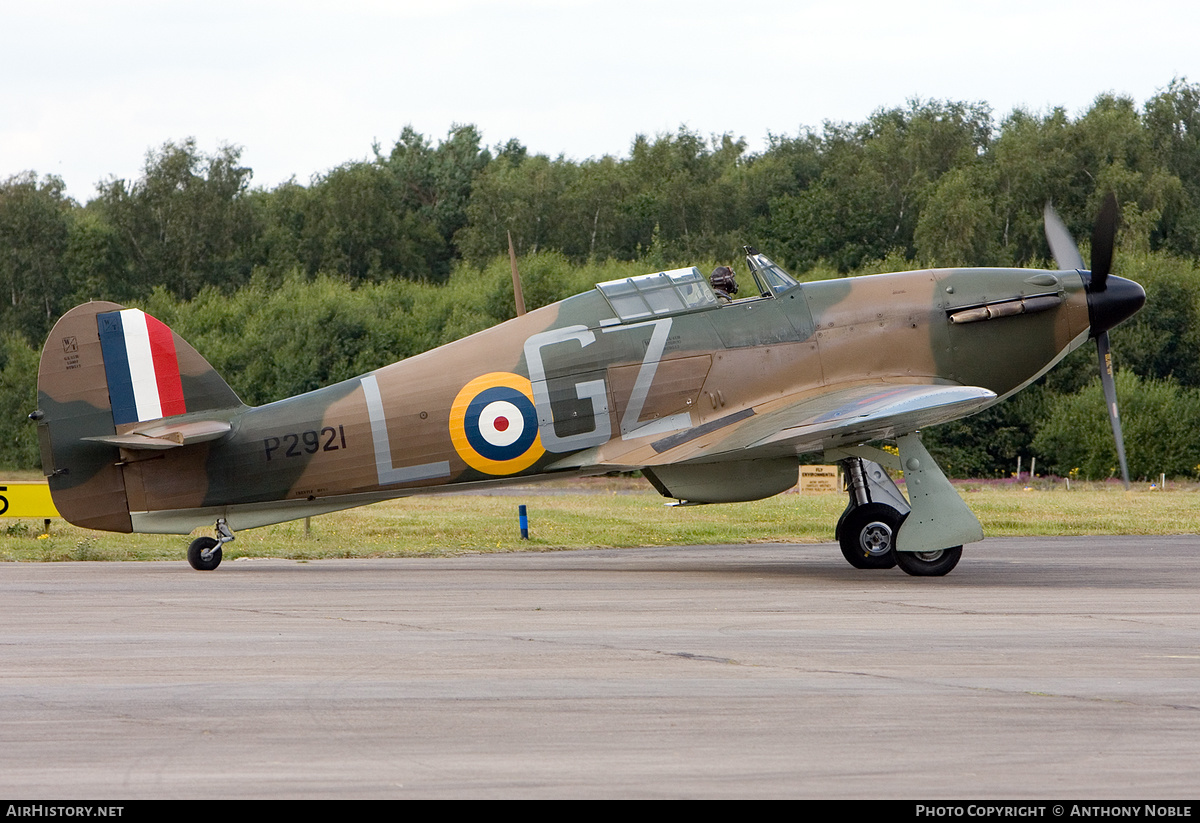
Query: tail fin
(107, 375)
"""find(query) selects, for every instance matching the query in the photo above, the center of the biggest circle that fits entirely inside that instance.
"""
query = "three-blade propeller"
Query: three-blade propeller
(1110, 299)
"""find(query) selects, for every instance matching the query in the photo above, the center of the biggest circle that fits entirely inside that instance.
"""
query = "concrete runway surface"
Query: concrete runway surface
(1040, 668)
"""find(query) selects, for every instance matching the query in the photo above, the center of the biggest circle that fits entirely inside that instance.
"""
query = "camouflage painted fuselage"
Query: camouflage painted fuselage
(728, 393)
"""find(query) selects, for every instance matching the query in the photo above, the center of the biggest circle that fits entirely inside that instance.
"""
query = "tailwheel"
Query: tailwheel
(867, 535)
(929, 564)
(204, 554)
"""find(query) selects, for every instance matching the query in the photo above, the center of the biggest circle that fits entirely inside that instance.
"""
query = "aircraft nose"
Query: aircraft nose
(1119, 301)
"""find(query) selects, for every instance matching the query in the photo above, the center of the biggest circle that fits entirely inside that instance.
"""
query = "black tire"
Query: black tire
(929, 564)
(867, 535)
(197, 559)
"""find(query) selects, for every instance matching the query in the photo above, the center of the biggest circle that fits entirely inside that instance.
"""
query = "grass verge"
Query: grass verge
(616, 513)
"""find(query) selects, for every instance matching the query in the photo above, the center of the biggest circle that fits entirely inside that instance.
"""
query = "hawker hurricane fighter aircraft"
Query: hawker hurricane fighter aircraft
(713, 400)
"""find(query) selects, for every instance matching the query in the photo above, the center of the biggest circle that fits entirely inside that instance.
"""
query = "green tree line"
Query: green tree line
(289, 288)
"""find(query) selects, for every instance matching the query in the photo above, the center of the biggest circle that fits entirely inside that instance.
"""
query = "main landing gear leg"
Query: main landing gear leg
(867, 528)
(204, 554)
(930, 544)
(880, 529)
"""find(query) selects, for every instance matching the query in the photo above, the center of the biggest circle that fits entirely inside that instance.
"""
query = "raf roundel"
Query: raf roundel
(494, 425)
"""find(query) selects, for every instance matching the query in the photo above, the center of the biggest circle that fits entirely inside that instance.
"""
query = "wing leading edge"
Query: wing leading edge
(843, 417)
(873, 413)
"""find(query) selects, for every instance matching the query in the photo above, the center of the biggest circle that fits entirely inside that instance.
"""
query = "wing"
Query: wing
(826, 420)
(852, 416)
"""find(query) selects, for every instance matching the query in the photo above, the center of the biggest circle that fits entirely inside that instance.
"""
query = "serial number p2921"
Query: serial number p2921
(296, 444)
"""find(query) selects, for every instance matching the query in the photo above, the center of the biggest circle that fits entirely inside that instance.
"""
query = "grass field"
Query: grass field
(617, 512)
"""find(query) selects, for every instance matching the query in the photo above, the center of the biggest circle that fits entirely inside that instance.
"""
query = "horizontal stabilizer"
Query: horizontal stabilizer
(169, 436)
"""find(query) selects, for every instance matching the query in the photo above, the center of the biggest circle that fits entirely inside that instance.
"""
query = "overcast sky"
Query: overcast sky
(86, 87)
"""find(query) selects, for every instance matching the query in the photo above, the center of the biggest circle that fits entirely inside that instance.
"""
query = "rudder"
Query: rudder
(107, 371)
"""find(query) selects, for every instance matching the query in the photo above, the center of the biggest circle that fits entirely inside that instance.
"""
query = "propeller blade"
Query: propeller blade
(1110, 400)
(1103, 237)
(1062, 244)
(1104, 310)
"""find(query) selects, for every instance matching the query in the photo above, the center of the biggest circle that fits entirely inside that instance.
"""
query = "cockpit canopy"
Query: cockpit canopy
(659, 294)
(768, 276)
(680, 291)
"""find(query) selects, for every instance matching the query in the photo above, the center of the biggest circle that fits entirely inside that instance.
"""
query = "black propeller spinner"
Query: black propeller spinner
(1110, 299)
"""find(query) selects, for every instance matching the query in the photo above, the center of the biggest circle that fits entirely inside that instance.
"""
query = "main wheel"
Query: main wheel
(929, 564)
(867, 535)
(196, 557)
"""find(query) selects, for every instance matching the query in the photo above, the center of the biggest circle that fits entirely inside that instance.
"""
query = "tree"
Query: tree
(958, 225)
(1163, 339)
(1114, 150)
(436, 183)
(1033, 162)
(1172, 120)
(35, 220)
(186, 223)
(18, 397)
(1159, 418)
(875, 179)
(355, 225)
(522, 198)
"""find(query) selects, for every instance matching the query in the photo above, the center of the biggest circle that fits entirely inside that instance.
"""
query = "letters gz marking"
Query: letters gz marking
(595, 392)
